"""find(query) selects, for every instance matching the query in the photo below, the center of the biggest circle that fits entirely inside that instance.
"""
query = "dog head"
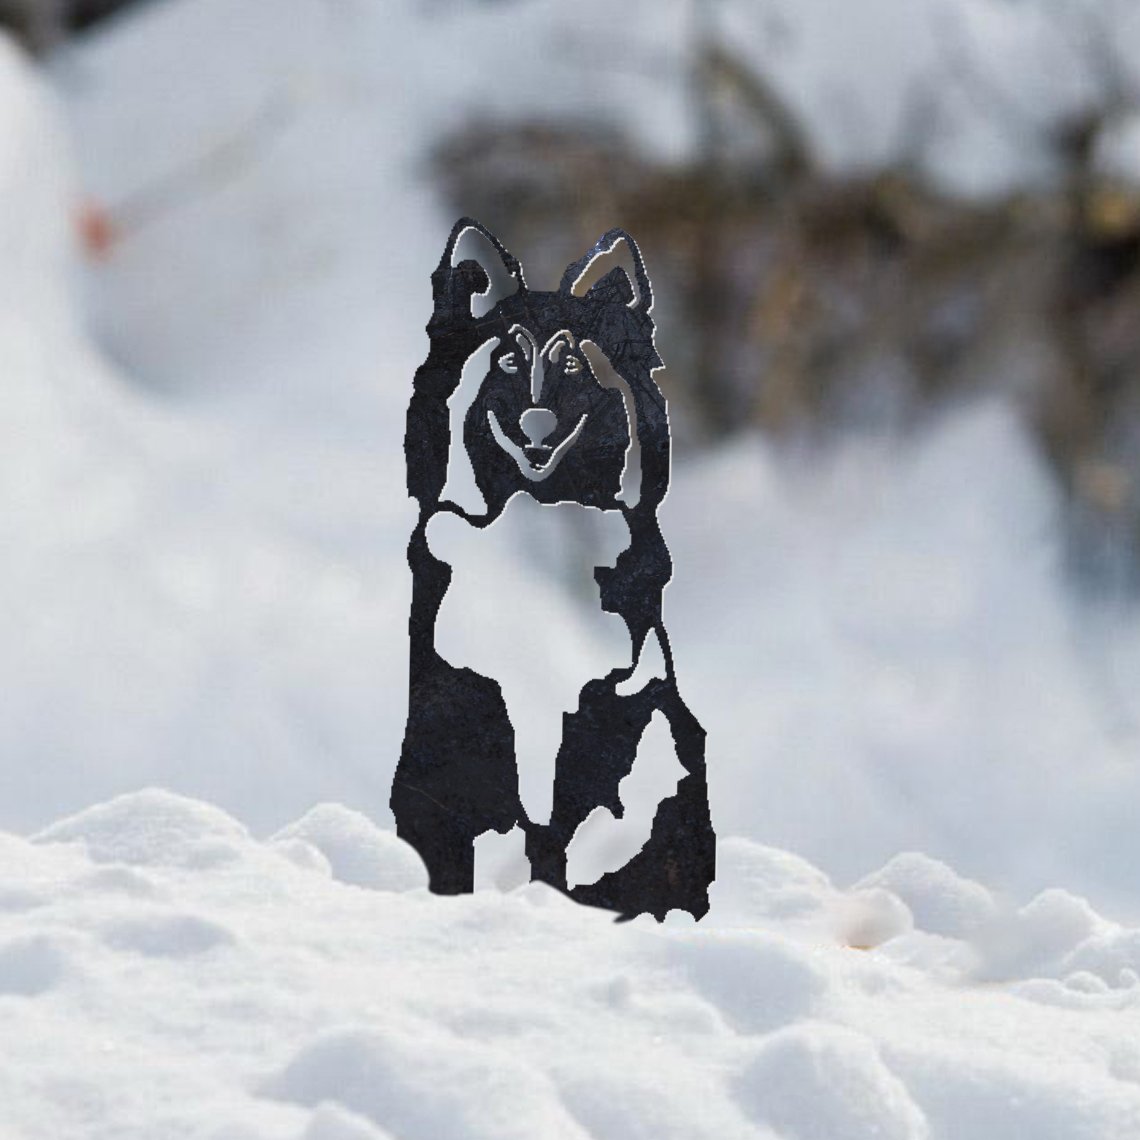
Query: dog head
(550, 393)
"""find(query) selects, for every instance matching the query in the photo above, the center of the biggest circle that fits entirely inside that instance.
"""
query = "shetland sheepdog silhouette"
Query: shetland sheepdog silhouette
(546, 399)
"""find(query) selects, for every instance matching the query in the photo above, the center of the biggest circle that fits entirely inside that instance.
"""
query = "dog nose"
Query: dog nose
(537, 424)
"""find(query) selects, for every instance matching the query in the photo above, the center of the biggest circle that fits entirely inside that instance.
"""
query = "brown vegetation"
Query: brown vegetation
(796, 300)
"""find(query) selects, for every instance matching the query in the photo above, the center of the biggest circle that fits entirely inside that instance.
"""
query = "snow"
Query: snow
(150, 991)
(356, 849)
(921, 746)
(941, 901)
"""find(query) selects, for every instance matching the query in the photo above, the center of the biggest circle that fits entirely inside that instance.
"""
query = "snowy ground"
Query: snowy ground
(204, 590)
(163, 974)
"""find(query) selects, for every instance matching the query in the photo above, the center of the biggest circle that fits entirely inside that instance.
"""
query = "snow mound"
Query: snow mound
(755, 882)
(755, 981)
(248, 997)
(151, 828)
(422, 1084)
(941, 901)
(989, 1094)
(1057, 935)
(823, 1082)
(358, 852)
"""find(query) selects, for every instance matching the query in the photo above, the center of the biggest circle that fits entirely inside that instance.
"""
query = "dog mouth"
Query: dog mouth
(545, 459)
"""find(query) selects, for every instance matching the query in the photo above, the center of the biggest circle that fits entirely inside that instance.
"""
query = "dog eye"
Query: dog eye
(573, 365)
(508, 363)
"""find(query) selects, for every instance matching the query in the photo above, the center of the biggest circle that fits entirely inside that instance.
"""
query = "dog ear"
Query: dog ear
(475, 273)
(614, 267)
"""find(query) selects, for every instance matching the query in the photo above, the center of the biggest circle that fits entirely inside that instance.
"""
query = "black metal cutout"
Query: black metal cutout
(543, 422)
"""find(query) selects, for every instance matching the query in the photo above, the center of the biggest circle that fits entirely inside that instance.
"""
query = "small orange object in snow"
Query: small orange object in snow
(96, 229)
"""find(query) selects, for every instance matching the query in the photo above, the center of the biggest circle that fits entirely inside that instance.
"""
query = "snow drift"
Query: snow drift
(163, 973)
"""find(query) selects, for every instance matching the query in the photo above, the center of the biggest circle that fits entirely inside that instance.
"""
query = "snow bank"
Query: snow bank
(163, 622)
(149, 992)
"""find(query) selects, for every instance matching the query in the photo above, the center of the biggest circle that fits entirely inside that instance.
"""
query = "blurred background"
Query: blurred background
(896, 256)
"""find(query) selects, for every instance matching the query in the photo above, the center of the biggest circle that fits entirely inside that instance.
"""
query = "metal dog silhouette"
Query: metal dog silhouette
(557, 402)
